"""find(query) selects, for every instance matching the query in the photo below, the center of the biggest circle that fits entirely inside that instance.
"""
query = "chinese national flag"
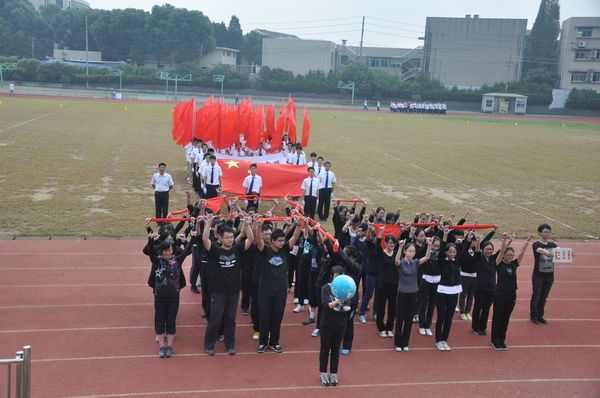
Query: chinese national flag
(183, 121)
(389, 229)
(278, 179)
(215, 204)
(305, 128)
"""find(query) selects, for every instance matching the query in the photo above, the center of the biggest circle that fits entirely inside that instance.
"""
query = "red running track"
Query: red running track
(85, 309)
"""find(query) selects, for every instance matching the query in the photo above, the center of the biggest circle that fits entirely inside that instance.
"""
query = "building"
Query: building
(64, 4)
(399, 62)
(579, 63)
(274, 35)
(76, 55)
(504, 103)
(219, 56)
(470, 52)
(298, 56)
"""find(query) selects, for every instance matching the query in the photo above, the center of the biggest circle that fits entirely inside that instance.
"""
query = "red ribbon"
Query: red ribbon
(171, 219)
(351, 201)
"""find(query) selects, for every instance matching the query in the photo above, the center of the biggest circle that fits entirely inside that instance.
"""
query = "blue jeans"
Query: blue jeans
(369, 288)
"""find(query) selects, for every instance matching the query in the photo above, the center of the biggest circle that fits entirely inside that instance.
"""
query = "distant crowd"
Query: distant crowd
(437, 108)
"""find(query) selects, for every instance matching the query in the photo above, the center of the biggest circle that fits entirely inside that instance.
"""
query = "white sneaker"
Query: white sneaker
(305, 301)
(428, 332)
(299, 308)
(463, 317)
(469, 317)
(446, 346)
(406, 349)
(255, 336)
(315, 333)
(382, 334)
(416, 318)
(422, 331)
(390, 334)
(440, 346)
(398, 349)
(362, 318)
(296, 301)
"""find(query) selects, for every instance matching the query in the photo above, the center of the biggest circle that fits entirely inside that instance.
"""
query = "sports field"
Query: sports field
(83, 167)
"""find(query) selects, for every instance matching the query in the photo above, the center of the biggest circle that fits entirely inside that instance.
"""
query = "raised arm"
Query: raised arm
(297, 230)
(505, 242)
(206, 233)
(427, 256)
(522, 253)
(399, 253)
(249, 235)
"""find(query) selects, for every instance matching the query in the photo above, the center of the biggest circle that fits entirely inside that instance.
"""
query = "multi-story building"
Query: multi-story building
(470, 52)
(64, 4)
(579, 64)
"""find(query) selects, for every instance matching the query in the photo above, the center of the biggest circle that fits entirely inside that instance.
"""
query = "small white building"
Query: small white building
(504, 103)
(76, 55)
(219, 56)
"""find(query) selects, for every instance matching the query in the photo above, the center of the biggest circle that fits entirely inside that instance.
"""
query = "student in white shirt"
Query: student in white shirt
(162, 182)
(188, 159)
(11, 89)
(298, 158)
(310, 189)
(313, 162)
(326, 184)
(319, 168)
(211, 177)
(252, 184)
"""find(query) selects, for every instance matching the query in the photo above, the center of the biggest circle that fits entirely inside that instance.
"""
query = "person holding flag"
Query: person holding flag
(252, 184)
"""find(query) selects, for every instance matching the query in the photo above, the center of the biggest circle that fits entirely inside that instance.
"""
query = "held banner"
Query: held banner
(563, 255)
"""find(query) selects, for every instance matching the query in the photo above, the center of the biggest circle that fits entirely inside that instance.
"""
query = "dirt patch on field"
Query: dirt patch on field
(447, 196)
(94, 198)
(43, 194)
(3, 143)
(97, 210)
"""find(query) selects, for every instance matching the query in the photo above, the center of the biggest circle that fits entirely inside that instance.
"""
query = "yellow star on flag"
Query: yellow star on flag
(232, 163)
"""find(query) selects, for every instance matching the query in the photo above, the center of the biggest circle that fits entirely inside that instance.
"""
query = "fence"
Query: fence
(22, 366)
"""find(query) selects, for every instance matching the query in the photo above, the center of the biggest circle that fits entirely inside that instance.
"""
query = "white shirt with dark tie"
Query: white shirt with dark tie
(297, 159)
(252, 186)
(310, 186)
(211, 174)
(326, 179)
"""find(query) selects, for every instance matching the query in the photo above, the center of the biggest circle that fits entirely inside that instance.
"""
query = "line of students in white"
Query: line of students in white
(419, 107)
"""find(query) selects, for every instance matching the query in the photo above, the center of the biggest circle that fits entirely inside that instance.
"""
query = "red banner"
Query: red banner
(278, 179)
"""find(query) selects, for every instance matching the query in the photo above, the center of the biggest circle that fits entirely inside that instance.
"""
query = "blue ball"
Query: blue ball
(343, 287)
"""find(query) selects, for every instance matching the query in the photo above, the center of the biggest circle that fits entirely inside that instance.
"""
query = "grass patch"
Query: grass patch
(84, 168)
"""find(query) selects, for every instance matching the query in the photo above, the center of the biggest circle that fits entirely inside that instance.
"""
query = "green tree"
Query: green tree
(69, 28)
(234, 33)
(541, 49)
(119, 34)
(20, 27)
(251, 52)
(221, 34)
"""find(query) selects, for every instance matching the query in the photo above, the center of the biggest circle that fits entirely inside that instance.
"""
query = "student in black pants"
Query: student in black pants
(506, 290)
(543, 273)
(387, 283)
(272, 284)
(408, 289)
(428, 288)
(333, 324)
(485, 285)
(310, 189)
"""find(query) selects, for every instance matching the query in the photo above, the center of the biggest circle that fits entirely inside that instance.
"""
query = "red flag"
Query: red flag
(389, 229)
(183, 122)
(305, 128)
(245, 113)
(215, 203)
(270, 125)
(202, 120)
(291, 105)
(255, 129)
(281, 122)
(214, 125)
(278, 179)
(229, 135)
(472, 226)
(291, 119)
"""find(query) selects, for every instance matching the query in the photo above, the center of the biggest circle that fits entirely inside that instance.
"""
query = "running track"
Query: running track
(85, 309)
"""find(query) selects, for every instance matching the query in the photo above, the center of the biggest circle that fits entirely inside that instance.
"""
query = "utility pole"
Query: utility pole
(87, 85)
(362, 32)
(201, 51)
(32, 56)
(508, 65)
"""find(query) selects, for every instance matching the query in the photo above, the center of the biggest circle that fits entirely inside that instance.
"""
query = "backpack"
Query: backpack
(167, 279)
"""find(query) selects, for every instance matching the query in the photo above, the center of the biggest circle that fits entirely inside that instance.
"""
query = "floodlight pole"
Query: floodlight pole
(347, 86)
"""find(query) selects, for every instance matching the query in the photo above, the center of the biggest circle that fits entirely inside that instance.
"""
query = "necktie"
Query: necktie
(251, 185)
(298, 159)
(310, 188)
(326, 179)
(212, 174)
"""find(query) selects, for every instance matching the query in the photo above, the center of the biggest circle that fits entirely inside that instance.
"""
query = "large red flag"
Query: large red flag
(305, 128)
(271, 130)
(389, 229)
(278, 179)
(202, 120)
(215, 204)
(214, 125)
(291, 119)
(245, 113)
(255, 129)
(183, 121)
(229, 135)
(281, 121)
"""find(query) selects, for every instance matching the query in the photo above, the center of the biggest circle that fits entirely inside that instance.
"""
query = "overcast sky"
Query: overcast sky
(388, 23)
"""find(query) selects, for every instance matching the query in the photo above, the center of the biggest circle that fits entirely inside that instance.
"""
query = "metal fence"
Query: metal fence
(21, 367)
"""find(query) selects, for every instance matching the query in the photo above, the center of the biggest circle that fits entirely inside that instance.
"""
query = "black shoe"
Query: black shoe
(194, 289)
(261, 348)
(503, 346)
(210, 352)
(168, 351)
(535, 321)
(277, 348)
(482, 333)
(308, 321)
(497, 346)
(542, 320)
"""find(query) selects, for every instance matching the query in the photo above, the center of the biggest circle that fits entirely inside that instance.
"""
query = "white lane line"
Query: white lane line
(149, 327)
(255, 391)
(303, 352)
(479, 191)
(25, 122)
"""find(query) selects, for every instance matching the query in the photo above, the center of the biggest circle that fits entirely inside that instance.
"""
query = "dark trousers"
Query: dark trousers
(165, 314)
(223, 309)
(368, 290)
(161, 203)
(196, 183)
(271, 307)
(310, 206)
(211, 191)
(542, 283)
(204, 276)
(504, 303)
(324, 203)
(385, 294)
(481, 309)
(406, 304)
(349, 333)
(246, 287)
(302, 276)
(465, 300)
(254, 308)
(292, 264)
(195, 268)
(331, 339)
(312, 288)
(446, 304)
(427, 300)
(319, 307)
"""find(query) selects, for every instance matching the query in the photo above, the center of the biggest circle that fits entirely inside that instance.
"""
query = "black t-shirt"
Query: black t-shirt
(507, 276)
(274, 268)
(386, 265)
(226, 270)
(486, 272)
(543, 264)
(333, 318)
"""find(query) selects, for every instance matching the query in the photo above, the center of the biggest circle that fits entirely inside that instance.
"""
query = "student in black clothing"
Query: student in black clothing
(225, 282)
(485, 285)
(387, 283)
(543, 273)
(167, 281)
(265, 232)
(428, 288)
(506, 290)
(272, 284)
(333, 325)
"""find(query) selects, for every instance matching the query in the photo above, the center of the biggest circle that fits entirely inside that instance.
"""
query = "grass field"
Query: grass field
(84, 168)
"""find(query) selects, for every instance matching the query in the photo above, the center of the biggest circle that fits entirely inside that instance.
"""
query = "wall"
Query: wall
(298, 56)
(570, 45)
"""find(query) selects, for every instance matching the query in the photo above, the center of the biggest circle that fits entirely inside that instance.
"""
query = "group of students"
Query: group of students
(410, 276)
(435, 108)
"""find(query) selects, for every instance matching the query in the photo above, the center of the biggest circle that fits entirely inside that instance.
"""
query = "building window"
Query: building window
(596, 77)
(578, 77)
(582, 54)
(344, 60)
(584, 32)
(595, 54)
(489, 103)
